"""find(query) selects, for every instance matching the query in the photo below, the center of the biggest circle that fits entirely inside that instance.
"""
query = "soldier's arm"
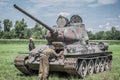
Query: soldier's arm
(59, 54)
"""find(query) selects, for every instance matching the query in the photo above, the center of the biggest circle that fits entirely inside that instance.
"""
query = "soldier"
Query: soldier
(44, 62)
(31, 44)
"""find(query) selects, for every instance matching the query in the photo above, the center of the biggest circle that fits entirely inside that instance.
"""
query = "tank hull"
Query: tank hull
(70, 64)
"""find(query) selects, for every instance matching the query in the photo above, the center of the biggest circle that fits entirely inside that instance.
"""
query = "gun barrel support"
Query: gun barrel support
(32, 17)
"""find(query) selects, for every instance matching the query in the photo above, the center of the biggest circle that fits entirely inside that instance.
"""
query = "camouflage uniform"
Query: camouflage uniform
(44, 62)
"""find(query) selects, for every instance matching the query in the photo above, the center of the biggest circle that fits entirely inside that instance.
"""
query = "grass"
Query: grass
(20, 41)
(8, 52)
(110, 42)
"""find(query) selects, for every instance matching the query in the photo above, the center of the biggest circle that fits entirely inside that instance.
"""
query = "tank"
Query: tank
(81, 57)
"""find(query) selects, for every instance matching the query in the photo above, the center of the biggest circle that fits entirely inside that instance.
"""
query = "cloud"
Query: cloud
(117, 26)
(63, 4)
(56, 6)
(118, 16)
(51, 5)
(105, 2)
(100, 26)
(90, 29)
(105, 27)
(64, 14)
(47, 3)
(102, 2)
(89, 1)
(3, 3)
(108, 26)
(113, 19)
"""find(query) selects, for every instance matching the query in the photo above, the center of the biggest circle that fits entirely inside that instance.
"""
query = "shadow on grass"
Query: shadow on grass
(53, 76)
(25, 75)
(62, 76)
(59, 74)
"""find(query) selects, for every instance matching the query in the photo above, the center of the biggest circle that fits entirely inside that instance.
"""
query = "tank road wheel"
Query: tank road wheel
(102, 64)
(97, 62)
(77, 65)
(82, 69)
(90, 68)
(106, 64)
(109, 64)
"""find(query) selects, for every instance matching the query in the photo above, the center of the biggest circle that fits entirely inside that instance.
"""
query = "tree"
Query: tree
(0, 30)
(117, 33)
(0, 27)
(100, 35)
(7, 25)
(20, 29)
(7, 33)
(113, 33)
(91, 35)
(27, 33)
(39, 31)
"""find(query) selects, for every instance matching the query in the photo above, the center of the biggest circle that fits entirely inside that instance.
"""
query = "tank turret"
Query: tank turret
(72, 31)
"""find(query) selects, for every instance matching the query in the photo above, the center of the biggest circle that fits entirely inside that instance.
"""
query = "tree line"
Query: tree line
(112, 34)
(20, 30)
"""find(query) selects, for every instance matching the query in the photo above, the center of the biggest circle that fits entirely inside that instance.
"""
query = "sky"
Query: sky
(97, 15)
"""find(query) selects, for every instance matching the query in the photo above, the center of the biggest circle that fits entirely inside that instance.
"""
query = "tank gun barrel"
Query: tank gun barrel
(35, 19)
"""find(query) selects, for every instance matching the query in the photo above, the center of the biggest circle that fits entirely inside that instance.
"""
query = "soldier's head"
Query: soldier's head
(58, 45)
(31, 39)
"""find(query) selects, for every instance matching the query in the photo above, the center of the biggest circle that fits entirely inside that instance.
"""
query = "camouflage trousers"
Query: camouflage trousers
(43, 68)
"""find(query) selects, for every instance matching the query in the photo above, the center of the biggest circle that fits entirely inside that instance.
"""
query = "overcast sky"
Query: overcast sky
(97, 14)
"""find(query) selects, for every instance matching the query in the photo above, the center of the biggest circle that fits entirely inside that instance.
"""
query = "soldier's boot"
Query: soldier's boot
(45, 77)
(40, 76)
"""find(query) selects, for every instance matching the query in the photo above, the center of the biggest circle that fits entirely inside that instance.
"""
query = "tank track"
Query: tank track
(77, 65)
(20, 65)
(88, 64)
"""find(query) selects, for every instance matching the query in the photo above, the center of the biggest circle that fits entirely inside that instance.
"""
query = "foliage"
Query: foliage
(113, 34)
(7, 33)
(20, 30)
(91, 35)
(0, 27)
(39, 31)
(7, 25)
(1, 33)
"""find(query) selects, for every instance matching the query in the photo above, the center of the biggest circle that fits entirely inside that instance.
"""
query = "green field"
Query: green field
(8, 52)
